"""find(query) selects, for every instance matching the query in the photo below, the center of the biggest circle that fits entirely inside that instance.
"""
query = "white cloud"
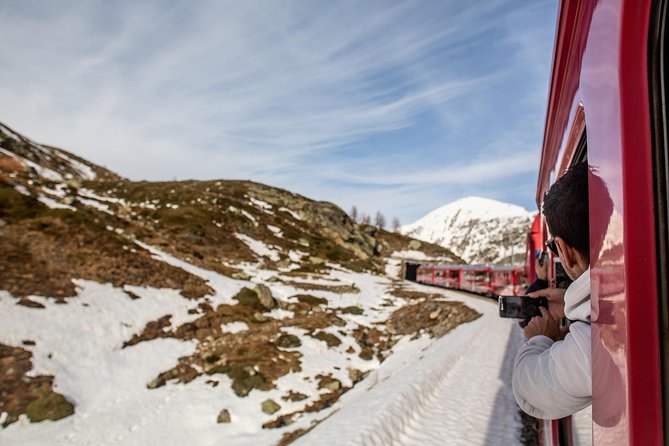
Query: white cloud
(255, 90)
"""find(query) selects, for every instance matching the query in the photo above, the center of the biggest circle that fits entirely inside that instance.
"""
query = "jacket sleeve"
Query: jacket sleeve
(552, 380)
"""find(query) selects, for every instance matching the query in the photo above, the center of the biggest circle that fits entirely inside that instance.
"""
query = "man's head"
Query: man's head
(566, 210)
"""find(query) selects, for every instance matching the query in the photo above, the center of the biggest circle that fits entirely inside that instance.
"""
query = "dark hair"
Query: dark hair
(566, 209)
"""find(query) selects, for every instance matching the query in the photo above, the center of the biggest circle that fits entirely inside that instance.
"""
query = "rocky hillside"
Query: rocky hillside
(72, 218)
(479, 230)
(282, 299)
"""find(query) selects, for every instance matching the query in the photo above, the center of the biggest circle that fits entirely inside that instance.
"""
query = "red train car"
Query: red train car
(608, 105)
(481, 279)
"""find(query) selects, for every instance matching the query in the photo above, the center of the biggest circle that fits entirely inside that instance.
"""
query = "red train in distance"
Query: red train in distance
(608, 105)
(488, 280)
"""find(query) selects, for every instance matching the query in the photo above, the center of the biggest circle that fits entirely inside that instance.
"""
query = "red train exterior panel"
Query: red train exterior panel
(600, 81)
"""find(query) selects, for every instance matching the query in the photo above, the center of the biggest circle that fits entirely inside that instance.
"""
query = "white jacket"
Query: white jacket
(554, 379)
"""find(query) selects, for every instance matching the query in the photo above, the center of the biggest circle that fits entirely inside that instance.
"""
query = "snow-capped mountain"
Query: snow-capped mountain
(479, 230)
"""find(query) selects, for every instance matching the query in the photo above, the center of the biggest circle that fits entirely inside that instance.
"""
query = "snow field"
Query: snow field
(80, 344)
(426, 390)
(454, 390)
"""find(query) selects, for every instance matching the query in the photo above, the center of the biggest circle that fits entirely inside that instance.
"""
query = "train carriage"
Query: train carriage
(488, 280)
(607, 105)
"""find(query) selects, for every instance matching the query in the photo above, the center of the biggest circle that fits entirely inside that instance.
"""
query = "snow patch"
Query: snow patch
(293, 214)
(95, 204)
(423, 392)
(53, 204)
(249, 216)
(234, 327)
(22, 190)
(277, 231)
(82, 169)
(260, 204)
(260, 248)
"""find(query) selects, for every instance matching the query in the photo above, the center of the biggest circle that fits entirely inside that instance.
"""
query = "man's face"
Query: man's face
(578, 265)
(557, 245)
(570, 272)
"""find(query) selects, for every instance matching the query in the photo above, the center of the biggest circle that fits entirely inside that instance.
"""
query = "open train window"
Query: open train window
(658, 57)
(581, 153)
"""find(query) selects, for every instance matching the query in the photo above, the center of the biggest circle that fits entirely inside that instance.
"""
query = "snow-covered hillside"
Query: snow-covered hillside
(479, 230)
(190, 312)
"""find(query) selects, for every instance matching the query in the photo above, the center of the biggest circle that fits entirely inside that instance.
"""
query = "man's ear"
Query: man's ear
(567, 253)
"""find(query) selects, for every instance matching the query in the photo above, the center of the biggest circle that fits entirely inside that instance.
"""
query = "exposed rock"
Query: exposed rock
(311, 300)
(155, 383)
(270, 407)
(434, 317)
(281, 421)
(224, 416)
(330, 339)
(352, 310)
(265, 296)
(241, 275)
(259, 317)
(29, 303)
(316, 260)
(414, 244)
(244, 379)
(294, 396)
(334, 385)
(248, 297)
(49, 406)
(21, 393)
(328, 382)
(355, 375)
(367, 354)
(288, 341)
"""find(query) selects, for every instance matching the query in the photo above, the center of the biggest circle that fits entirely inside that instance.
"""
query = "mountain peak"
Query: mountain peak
(482, 208)
(476, 228)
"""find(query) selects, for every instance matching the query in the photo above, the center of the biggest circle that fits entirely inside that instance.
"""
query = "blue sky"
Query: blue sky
(394, 106)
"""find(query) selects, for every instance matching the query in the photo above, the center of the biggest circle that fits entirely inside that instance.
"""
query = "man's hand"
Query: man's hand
(545, 325)
(555, 297)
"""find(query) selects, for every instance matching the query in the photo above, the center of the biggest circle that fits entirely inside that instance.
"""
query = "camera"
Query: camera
(521, 307)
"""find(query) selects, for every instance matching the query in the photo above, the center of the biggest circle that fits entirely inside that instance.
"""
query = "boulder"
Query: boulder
(241, 275)
(247, 297)
(224, 416)
(270, 407)
(259, 317)
(332, 385)
(355, 375)
(415, 244)
(288, 341)
(265, 296)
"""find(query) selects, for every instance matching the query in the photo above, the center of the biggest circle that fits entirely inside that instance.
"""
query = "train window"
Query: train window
(581, 153)
(658, 57)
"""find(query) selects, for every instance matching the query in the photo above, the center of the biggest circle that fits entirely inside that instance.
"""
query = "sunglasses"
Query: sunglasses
(550, 244)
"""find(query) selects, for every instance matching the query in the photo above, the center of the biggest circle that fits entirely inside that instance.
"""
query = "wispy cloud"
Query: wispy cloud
(281, 91)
